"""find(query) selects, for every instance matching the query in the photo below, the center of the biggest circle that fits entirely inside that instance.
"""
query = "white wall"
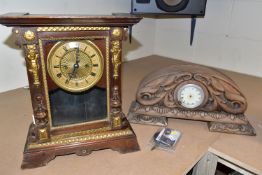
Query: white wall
(12, 68)
(229, 37)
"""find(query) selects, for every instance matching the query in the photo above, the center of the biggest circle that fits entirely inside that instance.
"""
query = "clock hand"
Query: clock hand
(77, 55)
(73, 73)
(75, 66)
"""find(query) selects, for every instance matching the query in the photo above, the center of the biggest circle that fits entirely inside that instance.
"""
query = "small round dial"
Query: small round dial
(190, 96)
(75, 65)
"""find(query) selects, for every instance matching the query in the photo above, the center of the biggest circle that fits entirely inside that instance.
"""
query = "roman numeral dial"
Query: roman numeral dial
(75, 65)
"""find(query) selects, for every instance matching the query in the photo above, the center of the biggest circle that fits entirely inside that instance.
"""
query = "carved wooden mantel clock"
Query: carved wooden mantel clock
(74, 72)
(191, 92)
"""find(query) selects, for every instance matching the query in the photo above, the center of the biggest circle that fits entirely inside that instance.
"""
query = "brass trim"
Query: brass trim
(81, 133)
(45, 81)
(42, 134)
(32, 57)
(116, 58)
(117, 121)
(29, 35)
(83, 138)
(46, 88)
(108, 77)
(116, 32)
(70, 28)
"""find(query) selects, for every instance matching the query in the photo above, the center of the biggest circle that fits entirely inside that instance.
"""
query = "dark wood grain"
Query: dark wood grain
(26, 19)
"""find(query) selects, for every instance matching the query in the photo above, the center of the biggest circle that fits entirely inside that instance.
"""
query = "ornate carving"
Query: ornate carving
(43, 134)
(117, 32)
(82, 133)
(32, 58)
(145, 119)
(29, 35)
(40, 128)
(245, 129)
(117, 115)
(116, 58)
(83, 138)
(38, 134)
(40, 111)
(69, 28)
(223, 102)
(115, 101)
(117, 121)
(223, 94)
(158, 111)
(116, 111)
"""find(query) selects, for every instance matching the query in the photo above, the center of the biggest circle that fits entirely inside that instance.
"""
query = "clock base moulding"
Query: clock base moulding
(217, 122)
(191, 92)
(39, 154)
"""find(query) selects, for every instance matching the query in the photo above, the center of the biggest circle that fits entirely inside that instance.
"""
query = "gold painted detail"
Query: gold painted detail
(116, 32)
(32, 57)
(81, 133)
(29, 35)
(69, 28)
(70, 140)
(108, 76)
(126, 32)
(117, 121)
(42, 134)
(116, 59)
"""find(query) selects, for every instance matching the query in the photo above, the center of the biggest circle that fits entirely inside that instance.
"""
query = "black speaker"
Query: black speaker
(169, 7)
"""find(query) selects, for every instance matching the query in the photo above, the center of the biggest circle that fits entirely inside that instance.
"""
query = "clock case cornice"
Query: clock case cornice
(35, 20)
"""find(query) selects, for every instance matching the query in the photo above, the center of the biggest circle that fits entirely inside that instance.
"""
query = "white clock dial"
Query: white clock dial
(190, 96)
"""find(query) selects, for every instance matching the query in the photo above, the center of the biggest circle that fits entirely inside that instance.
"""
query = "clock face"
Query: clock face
(190, 96)
(75, 65)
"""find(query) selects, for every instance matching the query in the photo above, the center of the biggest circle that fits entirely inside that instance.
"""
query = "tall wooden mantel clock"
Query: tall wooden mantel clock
(74, 71)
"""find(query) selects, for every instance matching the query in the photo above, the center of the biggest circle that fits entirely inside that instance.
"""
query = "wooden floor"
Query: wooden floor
(245, 151)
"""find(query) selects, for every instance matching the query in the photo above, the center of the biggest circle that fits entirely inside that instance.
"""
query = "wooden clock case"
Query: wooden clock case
(37, 34)
(223, 106)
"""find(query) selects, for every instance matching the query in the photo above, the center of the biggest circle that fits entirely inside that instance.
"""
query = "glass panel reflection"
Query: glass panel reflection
(71, 108)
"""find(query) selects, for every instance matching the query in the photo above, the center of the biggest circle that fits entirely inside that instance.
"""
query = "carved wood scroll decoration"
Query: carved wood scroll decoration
(223, 101)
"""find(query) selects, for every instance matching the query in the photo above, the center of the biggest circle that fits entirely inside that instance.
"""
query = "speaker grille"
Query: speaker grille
(172, 5)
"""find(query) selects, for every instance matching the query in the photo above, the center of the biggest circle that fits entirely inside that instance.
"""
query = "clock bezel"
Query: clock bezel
(62, 85)
(195, 83)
